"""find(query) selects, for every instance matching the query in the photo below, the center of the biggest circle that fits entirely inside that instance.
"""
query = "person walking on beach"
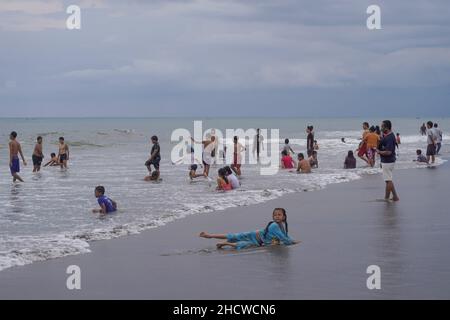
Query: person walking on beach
(63, 153)
(14, 163)
(258, 144)
(276, 233)
(362, 148)
(237, 156)
(431, 141)
(438, 133)
(155, 158)
(38, 155)
(310, 140)
(388, 159)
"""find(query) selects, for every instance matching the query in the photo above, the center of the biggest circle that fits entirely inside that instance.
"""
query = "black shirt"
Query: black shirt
(388, 143)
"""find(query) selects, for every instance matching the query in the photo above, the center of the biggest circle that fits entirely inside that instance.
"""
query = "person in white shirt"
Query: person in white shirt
(438, 134)
(232, 178)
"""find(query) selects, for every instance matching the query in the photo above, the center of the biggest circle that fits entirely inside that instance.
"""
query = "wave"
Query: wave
(84, 144)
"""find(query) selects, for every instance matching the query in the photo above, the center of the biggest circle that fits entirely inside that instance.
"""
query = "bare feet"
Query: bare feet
(204, 235)
(220, 245)
(396, 199)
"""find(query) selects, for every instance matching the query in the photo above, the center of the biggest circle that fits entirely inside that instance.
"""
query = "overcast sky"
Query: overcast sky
(225, 58)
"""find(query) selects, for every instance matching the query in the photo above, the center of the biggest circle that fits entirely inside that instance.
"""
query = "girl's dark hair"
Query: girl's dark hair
(271, 222)
(228, 170)
(350, 154)
(284, 153)
(223, 175)
(53, 155)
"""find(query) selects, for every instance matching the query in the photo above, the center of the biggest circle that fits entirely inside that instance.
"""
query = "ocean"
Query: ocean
(49, 216)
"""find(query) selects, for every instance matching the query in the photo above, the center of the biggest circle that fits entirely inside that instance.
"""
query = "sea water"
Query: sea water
(49, 215)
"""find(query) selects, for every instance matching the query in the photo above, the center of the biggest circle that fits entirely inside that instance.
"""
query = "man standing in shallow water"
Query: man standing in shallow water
(388, 159)
(14, 163)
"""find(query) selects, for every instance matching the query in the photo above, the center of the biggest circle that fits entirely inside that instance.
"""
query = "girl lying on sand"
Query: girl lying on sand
(275, 233)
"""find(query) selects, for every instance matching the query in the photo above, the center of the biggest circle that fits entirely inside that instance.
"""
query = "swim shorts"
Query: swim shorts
(431, 150)
(37, 161)
(15, 165)
(154, 162)
(62, 157)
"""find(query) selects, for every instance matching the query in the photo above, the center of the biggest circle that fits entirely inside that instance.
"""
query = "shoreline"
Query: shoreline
(89, 238)
(168, 262)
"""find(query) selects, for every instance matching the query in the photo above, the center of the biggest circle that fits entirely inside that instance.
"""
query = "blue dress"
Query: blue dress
(249, 239)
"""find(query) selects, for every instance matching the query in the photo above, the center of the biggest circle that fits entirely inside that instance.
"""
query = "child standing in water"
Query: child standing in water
(14, 163)
(38, 156)
(106, 204)
(275, 233)
(63, 153)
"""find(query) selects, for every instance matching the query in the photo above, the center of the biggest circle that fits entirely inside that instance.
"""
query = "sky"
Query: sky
(230, 58)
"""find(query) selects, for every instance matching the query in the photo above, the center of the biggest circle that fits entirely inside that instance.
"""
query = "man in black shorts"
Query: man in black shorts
(38, 155)
(155, 157)
(431, 140)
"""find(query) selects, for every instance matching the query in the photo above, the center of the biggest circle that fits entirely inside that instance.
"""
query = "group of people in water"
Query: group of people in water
(374, 141)
(15, 150)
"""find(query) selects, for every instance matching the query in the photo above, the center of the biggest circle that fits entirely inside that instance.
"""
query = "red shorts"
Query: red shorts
(362, 150)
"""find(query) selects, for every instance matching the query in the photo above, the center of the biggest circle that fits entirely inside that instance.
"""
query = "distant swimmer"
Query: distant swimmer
(53, 161)
(350, 161)
(63, 154)
(38, 155)
(303, 165)
(276, 233)
(343, 140)
(14, 163)
(106, 204)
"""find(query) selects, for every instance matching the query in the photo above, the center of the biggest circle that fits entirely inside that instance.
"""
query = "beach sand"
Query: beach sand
(343, 229)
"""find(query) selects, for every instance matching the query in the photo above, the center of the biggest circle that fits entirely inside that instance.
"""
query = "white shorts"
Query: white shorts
(388, 169)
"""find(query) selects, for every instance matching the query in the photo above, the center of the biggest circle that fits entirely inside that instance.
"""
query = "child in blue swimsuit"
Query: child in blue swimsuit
(275, 233)
(106, 204)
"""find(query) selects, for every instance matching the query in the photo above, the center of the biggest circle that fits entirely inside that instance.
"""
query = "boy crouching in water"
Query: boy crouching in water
(106, 204)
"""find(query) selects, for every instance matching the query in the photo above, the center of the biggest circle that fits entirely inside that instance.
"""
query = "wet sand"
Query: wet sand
(343, 230)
